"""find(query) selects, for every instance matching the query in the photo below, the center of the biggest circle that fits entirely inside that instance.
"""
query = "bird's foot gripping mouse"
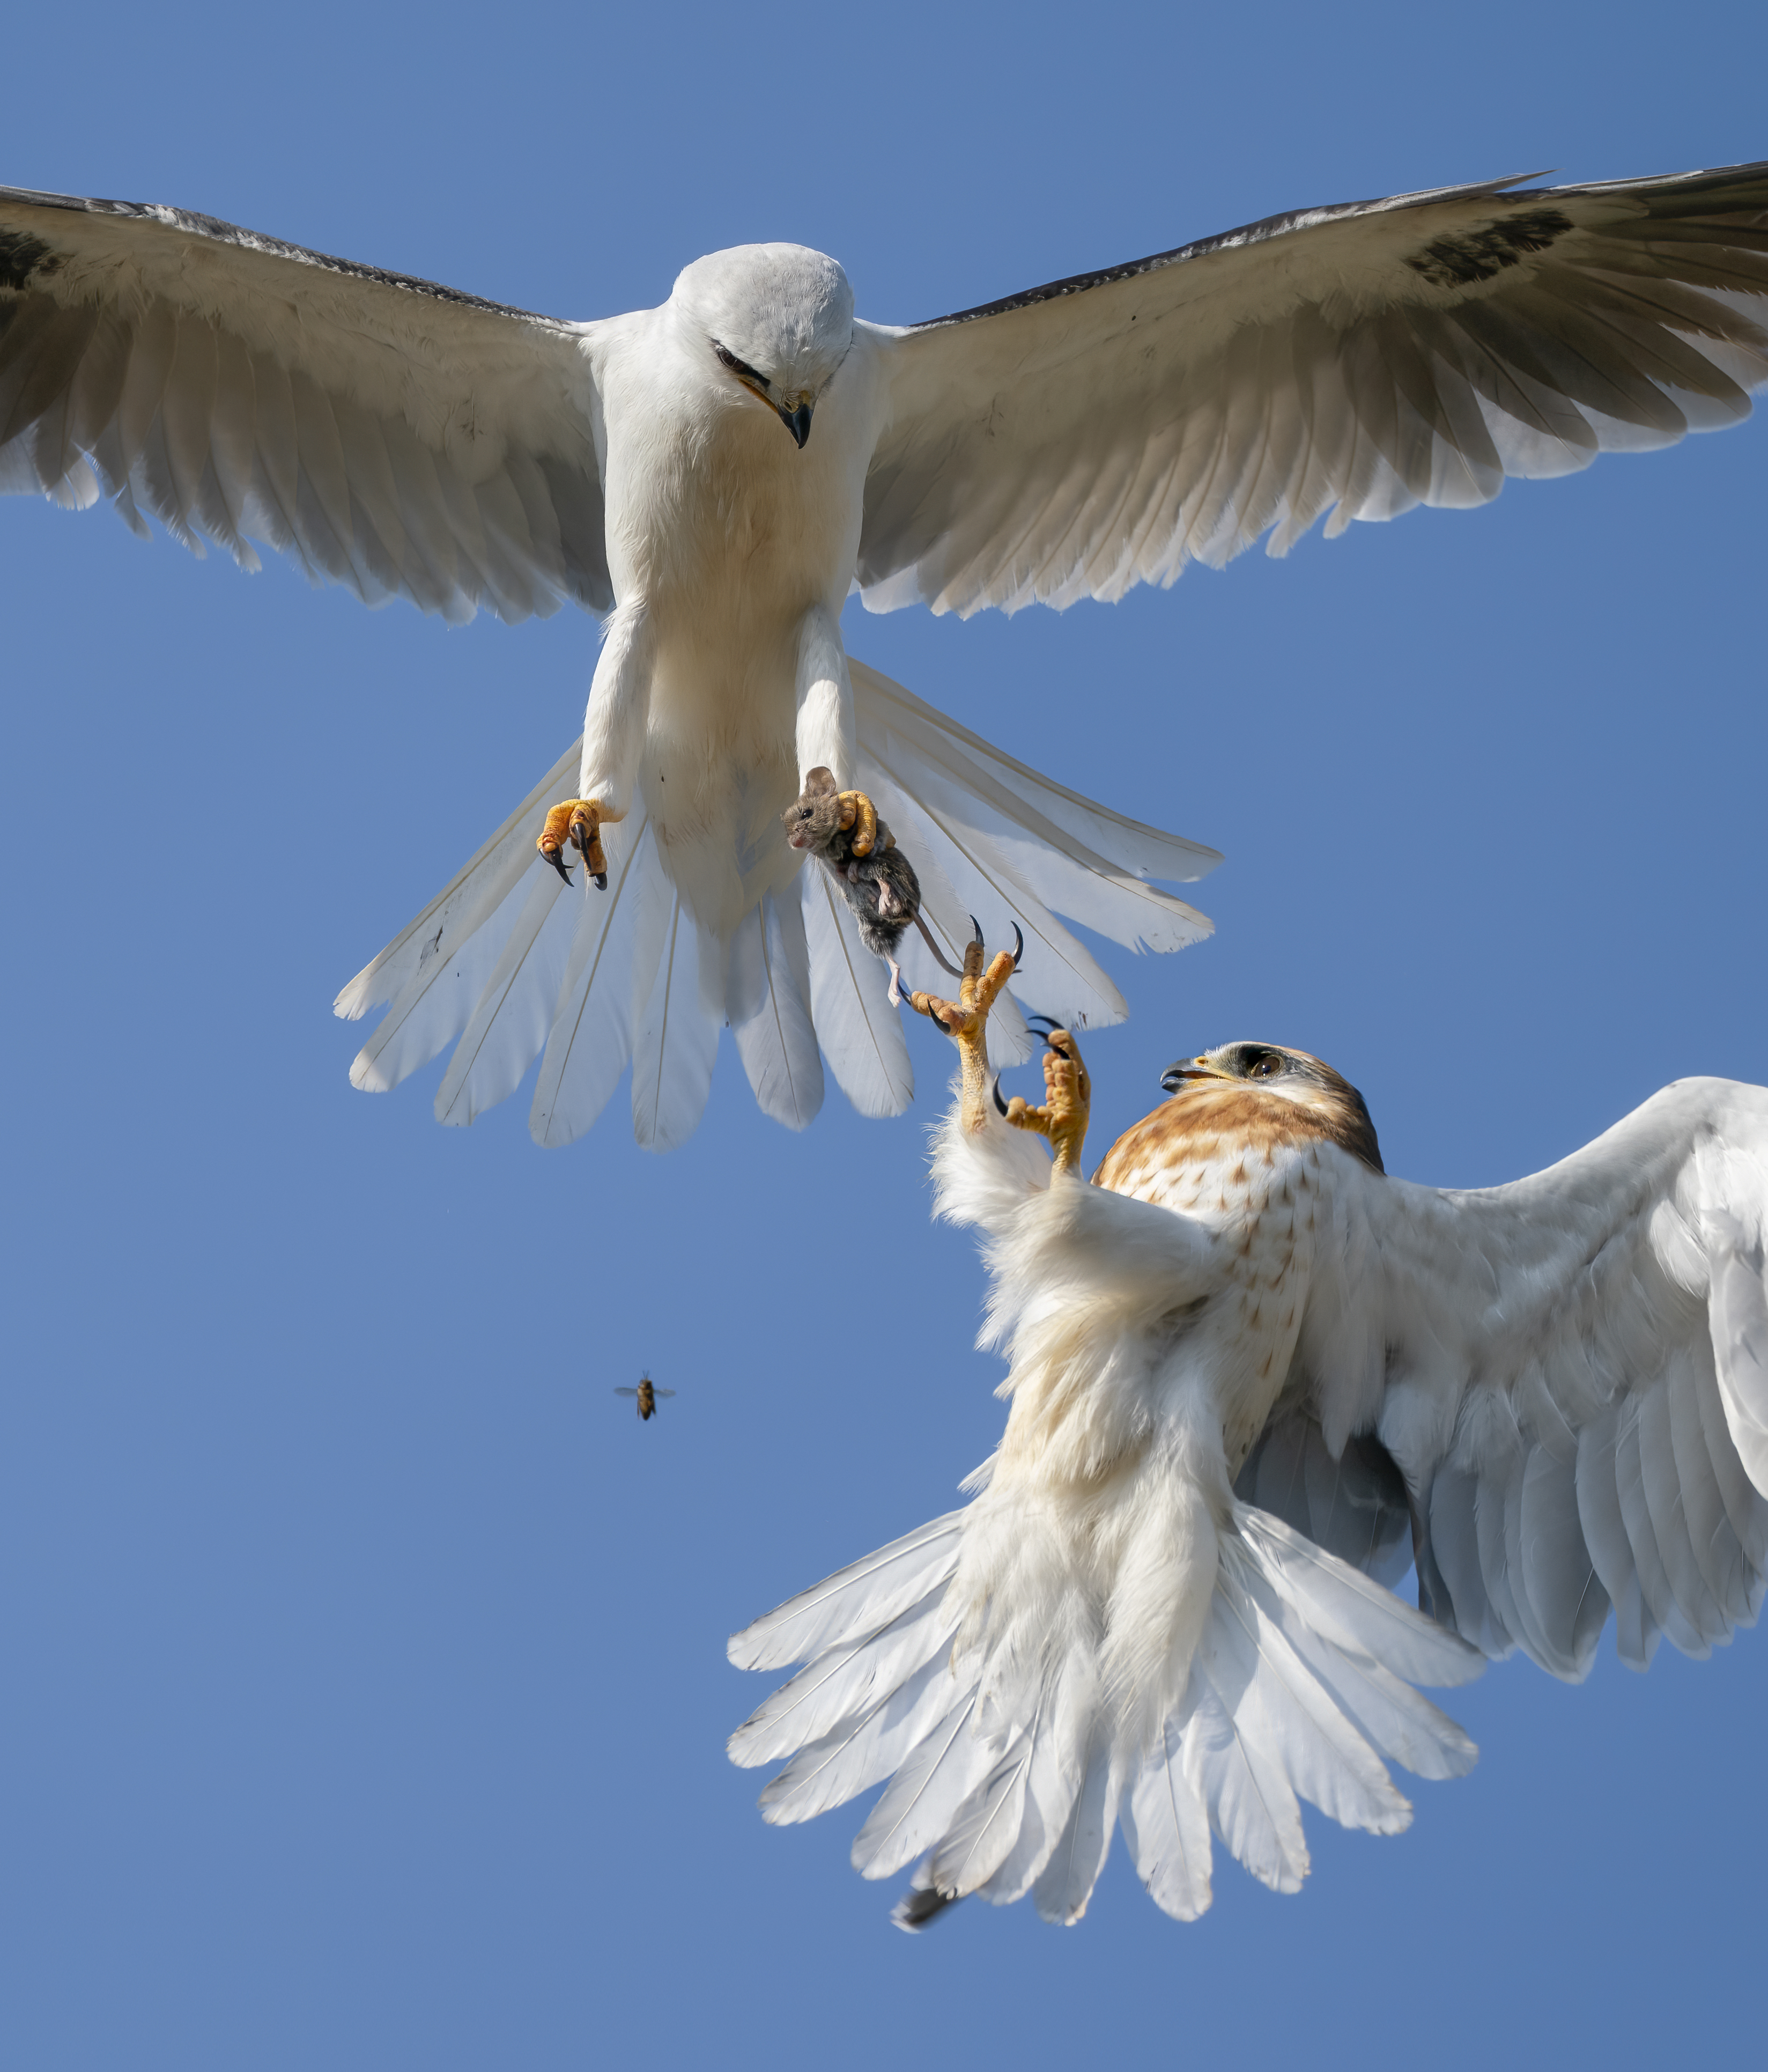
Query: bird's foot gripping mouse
(966, 1018)
(841, 830)
(578, 823)
(857, 818)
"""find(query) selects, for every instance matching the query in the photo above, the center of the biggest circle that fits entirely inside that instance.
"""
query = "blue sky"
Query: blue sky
(362, 1679)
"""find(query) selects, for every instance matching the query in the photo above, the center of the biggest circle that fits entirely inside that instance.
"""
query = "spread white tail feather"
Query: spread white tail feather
(770, 1010)
(590, 1040)
(507, 961)
(1300, 1686)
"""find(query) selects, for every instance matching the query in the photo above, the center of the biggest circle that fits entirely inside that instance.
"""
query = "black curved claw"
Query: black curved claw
(1018, 948)
(999, 1104)
(978, 926)
(1049, 1020)
(557, 861)
(581, 840)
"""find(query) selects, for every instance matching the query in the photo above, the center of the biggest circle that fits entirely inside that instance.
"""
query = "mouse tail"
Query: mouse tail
(940, 957)
(991, 839)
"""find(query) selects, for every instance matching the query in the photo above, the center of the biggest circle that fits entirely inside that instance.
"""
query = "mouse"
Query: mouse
(882, 888)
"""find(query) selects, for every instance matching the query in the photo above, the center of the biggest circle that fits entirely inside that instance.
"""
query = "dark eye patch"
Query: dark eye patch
(736, 366)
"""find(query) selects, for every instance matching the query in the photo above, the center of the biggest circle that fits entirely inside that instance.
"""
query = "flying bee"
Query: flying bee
(647, 1392)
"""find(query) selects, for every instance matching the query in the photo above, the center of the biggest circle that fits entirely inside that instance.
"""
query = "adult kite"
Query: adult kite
(715, 475)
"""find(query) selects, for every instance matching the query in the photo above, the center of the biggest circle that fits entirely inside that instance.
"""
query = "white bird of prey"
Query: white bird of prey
(716, 474)
(1252, 1377)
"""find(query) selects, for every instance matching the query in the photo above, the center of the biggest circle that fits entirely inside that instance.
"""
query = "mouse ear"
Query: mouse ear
(819, 783)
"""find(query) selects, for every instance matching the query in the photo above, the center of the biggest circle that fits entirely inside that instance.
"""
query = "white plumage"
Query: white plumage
(661, 467)
(508, 962)
(1249, 1377)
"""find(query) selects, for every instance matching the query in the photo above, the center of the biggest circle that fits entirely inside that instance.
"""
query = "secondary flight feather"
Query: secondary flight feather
(1252, 1378)
(714, 476)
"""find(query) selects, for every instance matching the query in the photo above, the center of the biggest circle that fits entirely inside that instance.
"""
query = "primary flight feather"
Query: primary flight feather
(716, 474)
(1252, 1377)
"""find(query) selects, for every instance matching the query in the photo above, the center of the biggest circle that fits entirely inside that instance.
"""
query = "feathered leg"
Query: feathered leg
(823, 697)
(825, 730)
(614, 733)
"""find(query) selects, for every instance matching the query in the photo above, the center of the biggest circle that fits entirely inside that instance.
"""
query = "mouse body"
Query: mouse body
(880, 888)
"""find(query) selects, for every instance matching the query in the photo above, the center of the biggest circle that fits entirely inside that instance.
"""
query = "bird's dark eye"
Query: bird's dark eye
(729, 359)
(1266, 1067)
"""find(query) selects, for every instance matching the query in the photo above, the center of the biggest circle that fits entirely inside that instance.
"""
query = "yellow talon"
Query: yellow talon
(576, 823)
(858, 810)
(1067, 1106)
(966, 1020)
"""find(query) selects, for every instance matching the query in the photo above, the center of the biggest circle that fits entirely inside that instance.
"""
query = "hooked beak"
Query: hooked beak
(1175, 1076)
(797, 423)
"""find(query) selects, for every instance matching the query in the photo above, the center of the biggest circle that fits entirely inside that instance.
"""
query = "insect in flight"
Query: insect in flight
(647, 1392)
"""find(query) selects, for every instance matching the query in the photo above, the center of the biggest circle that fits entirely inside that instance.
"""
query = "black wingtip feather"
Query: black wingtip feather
(918, 1906)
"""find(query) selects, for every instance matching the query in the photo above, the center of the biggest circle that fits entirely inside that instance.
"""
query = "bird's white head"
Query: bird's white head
(775, 319)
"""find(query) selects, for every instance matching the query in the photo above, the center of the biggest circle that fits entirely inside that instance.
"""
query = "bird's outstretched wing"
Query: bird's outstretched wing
(397, 436)
(1572, 1373)
(1099, 432)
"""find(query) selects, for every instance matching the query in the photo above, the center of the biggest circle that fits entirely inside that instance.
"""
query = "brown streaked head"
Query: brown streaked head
(1287, 1074)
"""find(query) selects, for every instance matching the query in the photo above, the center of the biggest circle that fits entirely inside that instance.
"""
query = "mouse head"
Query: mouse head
(813, 818)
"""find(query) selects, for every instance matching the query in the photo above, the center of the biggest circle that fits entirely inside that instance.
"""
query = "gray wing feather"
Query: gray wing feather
(1102, 432)
(399, 437)
(1354, 1506)
(1572, 1388)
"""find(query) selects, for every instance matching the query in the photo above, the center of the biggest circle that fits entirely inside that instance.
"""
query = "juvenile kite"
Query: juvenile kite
(1251, 1379)
(716, 474)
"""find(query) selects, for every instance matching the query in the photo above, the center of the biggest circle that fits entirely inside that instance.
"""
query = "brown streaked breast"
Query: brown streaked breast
(1208, 1118)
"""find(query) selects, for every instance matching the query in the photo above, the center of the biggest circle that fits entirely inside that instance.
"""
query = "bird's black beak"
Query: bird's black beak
(797, 423)
(1175, 1076)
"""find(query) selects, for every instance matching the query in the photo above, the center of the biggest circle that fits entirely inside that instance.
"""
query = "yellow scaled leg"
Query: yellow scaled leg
(1067, 1095)
(966, 1019)
(578, 823)
(857, 812)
